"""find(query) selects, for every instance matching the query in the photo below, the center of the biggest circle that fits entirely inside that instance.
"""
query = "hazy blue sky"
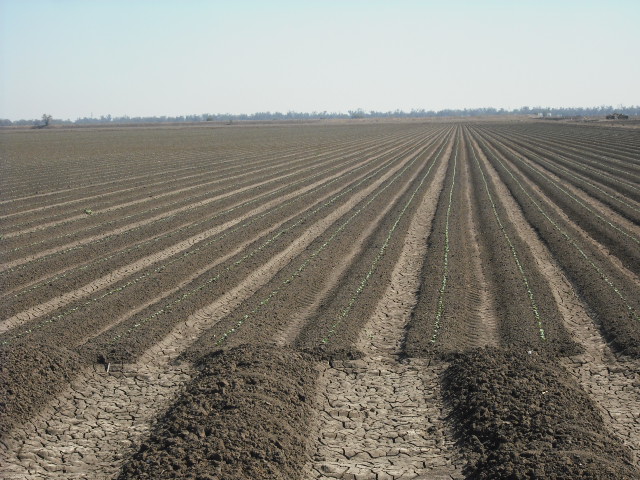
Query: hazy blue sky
(153, 57)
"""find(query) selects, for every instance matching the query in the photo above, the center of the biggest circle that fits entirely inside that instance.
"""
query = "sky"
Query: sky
(82, 58)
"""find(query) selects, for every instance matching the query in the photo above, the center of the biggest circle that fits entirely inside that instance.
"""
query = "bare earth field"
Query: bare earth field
(365, 300)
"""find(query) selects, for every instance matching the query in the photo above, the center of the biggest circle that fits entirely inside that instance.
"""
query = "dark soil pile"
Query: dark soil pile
(245, 416)
(28, 377)
(520, 416)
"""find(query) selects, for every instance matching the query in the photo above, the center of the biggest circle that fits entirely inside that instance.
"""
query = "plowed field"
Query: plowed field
(358, 301)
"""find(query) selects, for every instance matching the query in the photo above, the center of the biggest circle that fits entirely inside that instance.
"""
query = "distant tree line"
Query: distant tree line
(358, 113)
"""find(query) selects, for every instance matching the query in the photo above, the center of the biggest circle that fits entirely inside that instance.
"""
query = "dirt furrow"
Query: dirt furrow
(270, 310)
(483, 328)
(620, 242)
(257, 165)
(232, 160)
(110, 211)
(609, 294)
(328, 263)
(595, 143)
(600, 172)
(191, 214)
(268, 335)
(123, 229)
(189, 226)
(135, 225)
(582, 192)
(564, 147)
(115, 276)
(117, 307)
(593, 202)
(312, 298)
(381, 417)
(199, 159)
(602, 248)
(117, 193)
(624, 169)
(593, 195)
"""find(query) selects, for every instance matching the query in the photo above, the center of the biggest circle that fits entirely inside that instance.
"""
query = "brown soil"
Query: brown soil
(621, 242)
(519, 415)
(245, 416)
(28, 374)
(332, 240)
(438, 324)
(609, 294)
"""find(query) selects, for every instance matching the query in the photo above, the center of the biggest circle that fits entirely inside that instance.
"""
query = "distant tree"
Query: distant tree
(46, 120)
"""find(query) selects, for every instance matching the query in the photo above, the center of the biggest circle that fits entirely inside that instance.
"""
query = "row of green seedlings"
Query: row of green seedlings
(281, 157)
(111, 173)
(103, 174)
(235, 163)
(594, 144)
(162, 267)
(115, 208)
(110, 237)
(123, 218)
(116, 194)
(298, 272)
(346, 310)
(445, 269)
(525, 280)
(579, 179)
(548, 179)
(169, 306)
(602, 275)
(168, 218)
(260, 199)
(232, 188)
(549, 149)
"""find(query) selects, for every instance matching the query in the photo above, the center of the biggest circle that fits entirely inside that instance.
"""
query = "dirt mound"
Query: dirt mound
(520, 415)
(245, 416)
(29, 374)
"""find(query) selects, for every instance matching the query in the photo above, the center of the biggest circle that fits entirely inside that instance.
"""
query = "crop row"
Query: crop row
(59, 215)
(625, 169)
(618, 194)
(619, 146)
(622, 243)
(258, 212)
(77, 334)
(170, 315)
(334, 329)
(581, 161)
(145, 276)
(108, 158)
(608, 293)
(205, 169)
(191, 215)
(161, 211)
